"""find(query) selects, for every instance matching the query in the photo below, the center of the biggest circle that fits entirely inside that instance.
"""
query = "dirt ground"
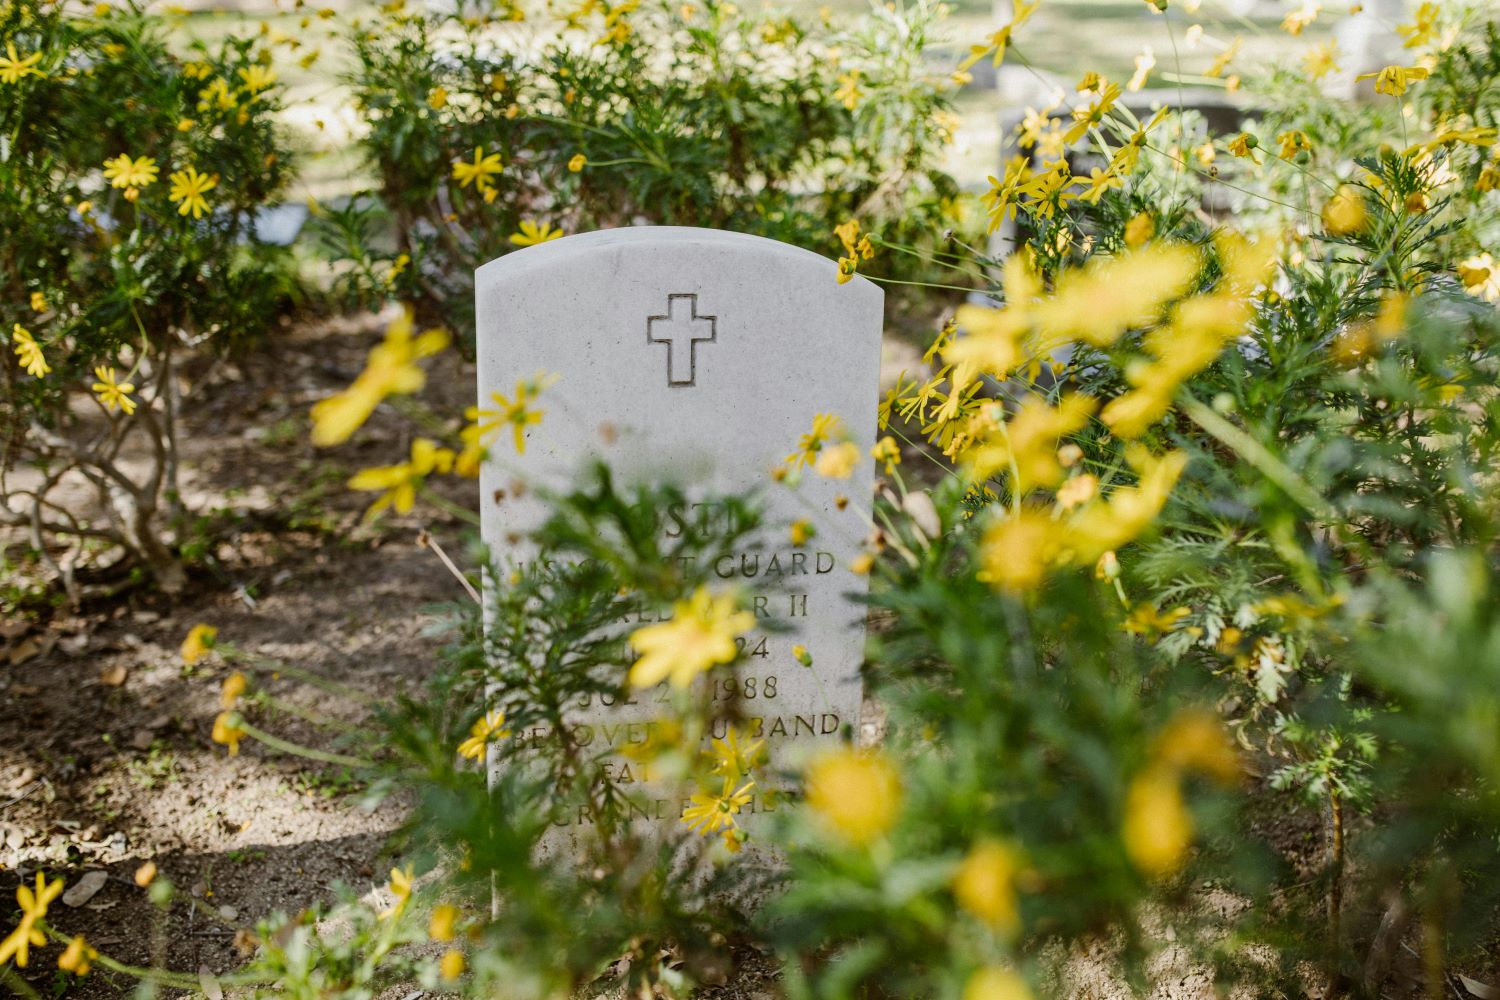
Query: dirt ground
(105, 757)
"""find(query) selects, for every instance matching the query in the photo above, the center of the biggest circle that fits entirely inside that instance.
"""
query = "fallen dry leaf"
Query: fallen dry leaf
(114, 676)
(85, 888)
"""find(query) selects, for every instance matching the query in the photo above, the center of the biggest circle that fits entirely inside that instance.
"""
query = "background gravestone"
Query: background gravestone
(699, 357)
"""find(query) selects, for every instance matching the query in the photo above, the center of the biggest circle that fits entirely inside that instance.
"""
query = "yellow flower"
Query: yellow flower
(451, 965)
(200, 639)
(189, 187)
(29, 351)
(390, 369)
(397, 268)
(227, 732)
(1144, 64)
(1000, 40)
(577, 163)
(1107, 296)
(701, 633)
(145, 874)
(862, 564)
(488, 727)
(711, 813)
(1321, 60)
(1296, 20)
(802, 530)
(996, 982)
(1151, 624)
(849, 93)
(1139, 229)
(112, 393)
(856, 796)
(839, 461)
(801, 655)
(479, 172)
(985, 885)
(824, 426)
(78, 957)
(38, 302)
(1221, 63)
(886, 450)
(257, 78)
(1077, 491)
(1016, 551)
(515, 412)
(33, 908)
(1421, 30)
(1293, 141)
(401, 891)
(734, 758)
(1088, 116)
(1481, 277)
(440, 927)
(399, 483)
(531, 233)
(1344, 214)
(1244, 146)
(13, 68)
(234, 687)
(1110, 523)
(1394, 80)
(1158, 828)
(1194, 740)
(437, 98)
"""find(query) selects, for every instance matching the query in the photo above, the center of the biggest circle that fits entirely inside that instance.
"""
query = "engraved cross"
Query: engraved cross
(682, 330)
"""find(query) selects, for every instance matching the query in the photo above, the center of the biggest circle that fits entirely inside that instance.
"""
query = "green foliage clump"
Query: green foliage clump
(129, 187)
(633, 113)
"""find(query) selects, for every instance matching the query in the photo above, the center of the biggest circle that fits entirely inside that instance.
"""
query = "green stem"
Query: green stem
(1258, 456)
(277, 743)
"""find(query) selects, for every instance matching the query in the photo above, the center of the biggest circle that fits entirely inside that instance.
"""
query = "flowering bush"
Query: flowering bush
(489, 132)
(127, 190)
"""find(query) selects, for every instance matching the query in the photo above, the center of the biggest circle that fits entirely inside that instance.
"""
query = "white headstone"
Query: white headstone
(700, 357)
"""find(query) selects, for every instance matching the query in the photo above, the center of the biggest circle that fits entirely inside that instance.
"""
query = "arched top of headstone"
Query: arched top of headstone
(685, 240)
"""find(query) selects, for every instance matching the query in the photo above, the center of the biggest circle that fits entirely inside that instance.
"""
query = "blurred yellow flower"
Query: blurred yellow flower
(227, 732)
(478, 172)
(200, 639)
(985, 885)
(1139, 229)
(577, 163)
(451, 966)
(437, 98)
(113, 394)
(440, 927)
(38, 302)
(188, 187)
(29, 351)
(1299, 19)
(838, 461)
(824, 426)
(1158, 829)
(400, 889)
(13, 68)
(996, 982)
(1422, 28)
(399, 483)
(234, 687)
(848, 93)
(1194, 740)
(78, 957)
(1293, 141)
(1321, 60)
(486, 729)
(33, 904)
(390, 369)
(257, 77)
(855, 795)
(700, 634)
(1344, 214)
(1480, 277)
(531, 233)
(733, 757)
(1017, 550)
(801, 530)
(712, 813)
